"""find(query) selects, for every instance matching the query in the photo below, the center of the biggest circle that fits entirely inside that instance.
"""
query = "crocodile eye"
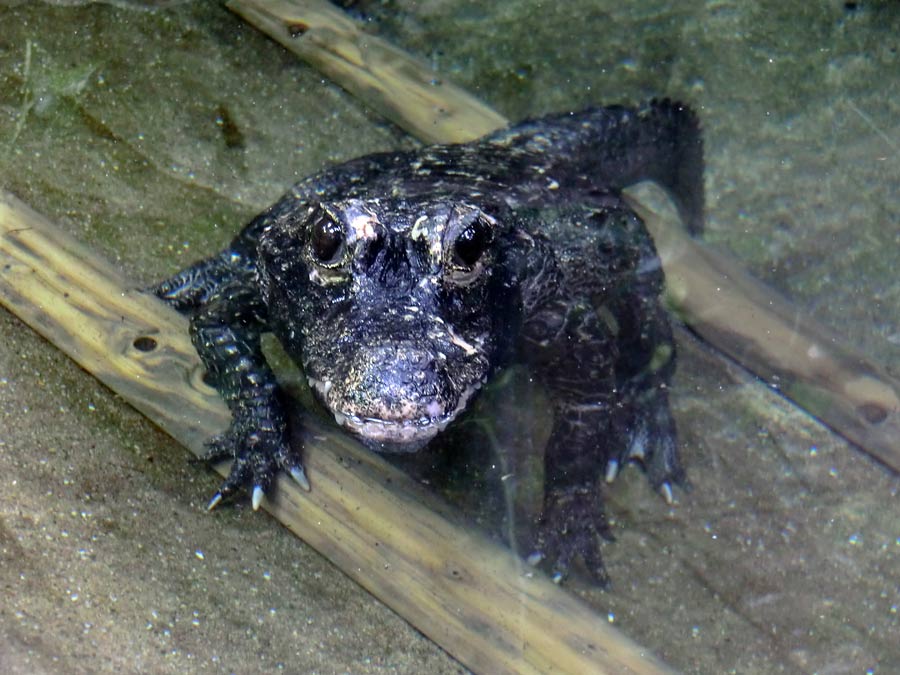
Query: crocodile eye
(471, 243)
(327, 240)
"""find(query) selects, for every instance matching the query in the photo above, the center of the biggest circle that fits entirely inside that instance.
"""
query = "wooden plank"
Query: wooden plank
(738, 315)
(776, 341)
(471, 596)
(397, 86)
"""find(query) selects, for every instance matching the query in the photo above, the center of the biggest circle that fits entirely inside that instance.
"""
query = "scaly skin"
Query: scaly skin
(401, 282)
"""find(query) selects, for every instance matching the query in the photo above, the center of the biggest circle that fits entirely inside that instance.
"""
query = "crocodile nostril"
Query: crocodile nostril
(373, 249)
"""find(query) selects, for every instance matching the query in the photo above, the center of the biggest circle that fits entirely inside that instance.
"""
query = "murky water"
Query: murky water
(783, 557)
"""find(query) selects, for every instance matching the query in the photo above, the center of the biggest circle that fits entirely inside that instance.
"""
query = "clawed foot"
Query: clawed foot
(573, 523)
(258, 455)
(572, 526)
(652, 442)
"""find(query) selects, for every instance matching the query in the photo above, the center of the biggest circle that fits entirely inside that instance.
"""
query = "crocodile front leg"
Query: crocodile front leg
(610, 406)
(226, 333)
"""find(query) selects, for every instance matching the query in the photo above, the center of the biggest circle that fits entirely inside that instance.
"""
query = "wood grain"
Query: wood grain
(396, 85)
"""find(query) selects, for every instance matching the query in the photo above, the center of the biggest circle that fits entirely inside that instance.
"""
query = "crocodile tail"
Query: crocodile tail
(673, 130)
(616, 146)
(659, 141)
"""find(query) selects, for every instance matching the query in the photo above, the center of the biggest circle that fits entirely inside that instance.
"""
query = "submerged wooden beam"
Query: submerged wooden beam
(398, 86)
(782, 345)
(738, 315)
(469, 595)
